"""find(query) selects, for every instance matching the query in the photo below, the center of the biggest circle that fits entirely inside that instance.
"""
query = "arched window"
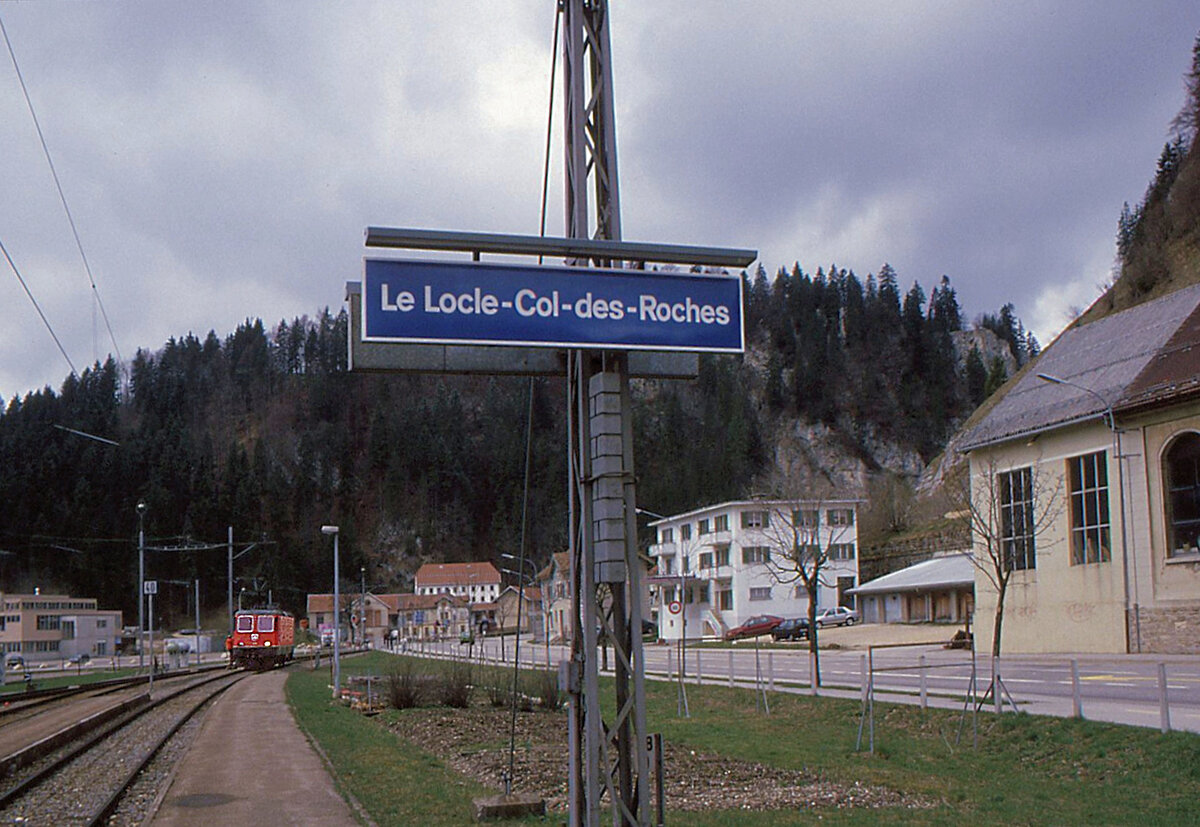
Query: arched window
(1182, 474)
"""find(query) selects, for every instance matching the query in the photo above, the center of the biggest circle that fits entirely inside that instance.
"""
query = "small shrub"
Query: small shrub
(498, 691)
(454, 685)
(405, 687)
(544, 686)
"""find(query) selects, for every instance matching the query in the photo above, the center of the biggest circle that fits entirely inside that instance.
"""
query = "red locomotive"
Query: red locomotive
(261, 639)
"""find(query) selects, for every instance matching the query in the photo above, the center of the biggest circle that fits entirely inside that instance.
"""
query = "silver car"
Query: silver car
(837, 616)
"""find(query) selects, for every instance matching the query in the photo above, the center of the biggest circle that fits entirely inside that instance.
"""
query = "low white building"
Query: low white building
(720, 565)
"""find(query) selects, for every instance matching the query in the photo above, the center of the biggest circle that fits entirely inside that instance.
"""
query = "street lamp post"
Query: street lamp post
(1131, 606)
(362, 610)
(337, 665)
(141, 512)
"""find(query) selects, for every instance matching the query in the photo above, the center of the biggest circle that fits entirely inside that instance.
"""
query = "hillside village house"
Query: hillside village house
(720, 565)
(1101, 437)
(392, 617)
(477, 582)
(49, 627)
(555, 585)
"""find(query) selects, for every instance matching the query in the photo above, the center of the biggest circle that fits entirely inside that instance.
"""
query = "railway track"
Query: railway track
(84, 782)
(15, 705)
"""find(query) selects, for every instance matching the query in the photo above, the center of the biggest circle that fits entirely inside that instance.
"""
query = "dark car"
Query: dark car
(755, 626)
(794, 628)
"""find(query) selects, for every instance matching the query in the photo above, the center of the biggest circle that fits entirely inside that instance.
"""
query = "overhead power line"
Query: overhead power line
(38, 308)
(62, 197)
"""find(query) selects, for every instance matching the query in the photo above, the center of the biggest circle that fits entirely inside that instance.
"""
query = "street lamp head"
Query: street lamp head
(329, 529)
(1053, 380)
(141, 507)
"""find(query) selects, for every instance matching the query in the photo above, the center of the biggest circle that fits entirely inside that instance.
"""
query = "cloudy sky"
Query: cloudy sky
(222, 159)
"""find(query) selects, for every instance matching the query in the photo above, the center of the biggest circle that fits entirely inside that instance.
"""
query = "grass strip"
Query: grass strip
(396, 782)
(1027, 769)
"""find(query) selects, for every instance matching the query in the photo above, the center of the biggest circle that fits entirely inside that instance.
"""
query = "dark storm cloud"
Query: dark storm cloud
(222, 159)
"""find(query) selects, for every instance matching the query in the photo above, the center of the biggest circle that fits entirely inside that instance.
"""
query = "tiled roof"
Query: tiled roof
(456, 574)
(319, 603)
(1119, 359)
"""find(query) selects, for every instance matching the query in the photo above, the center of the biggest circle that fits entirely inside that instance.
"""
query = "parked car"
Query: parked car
(837, 616)
(794, 628)
(755, 626)
(79, 660)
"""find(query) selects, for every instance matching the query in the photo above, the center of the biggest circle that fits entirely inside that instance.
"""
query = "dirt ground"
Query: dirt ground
(474, 742)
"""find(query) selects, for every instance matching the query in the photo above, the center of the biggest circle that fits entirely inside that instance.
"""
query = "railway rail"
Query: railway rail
(14, 704)
(84, 782)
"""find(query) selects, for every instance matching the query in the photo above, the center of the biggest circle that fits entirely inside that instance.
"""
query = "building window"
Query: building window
(760, 593)
(807, 552)
(840, 516)
(706, 560)
(756, 554)
(726, 600)
(47, 623)
(841, 551)
(685, 531)
(722, 555)
(1088, 476)
(806, 518)
(756, 519)
(704, 527)
(1182, 474)
(1016, 519)
(666, 535)
(101, 624)
(668, 564)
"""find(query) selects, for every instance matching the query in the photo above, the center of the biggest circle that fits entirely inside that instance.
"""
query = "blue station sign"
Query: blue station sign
(470, 303)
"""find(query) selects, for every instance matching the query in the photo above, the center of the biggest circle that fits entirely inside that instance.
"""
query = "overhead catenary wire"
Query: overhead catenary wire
(62, 197)
(38, 308)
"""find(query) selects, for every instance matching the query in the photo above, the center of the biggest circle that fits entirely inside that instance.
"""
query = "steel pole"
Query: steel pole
(141, 510)
(337, 624)
(229, 577)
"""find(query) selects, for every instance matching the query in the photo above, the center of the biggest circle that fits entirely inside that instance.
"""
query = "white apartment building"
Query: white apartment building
(720, 565)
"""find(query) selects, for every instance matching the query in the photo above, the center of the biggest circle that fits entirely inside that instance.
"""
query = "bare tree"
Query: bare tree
(1009, 510)
(801, 541)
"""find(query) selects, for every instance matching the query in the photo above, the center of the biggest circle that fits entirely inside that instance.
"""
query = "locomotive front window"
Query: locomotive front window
(266, 623)
(245, 623)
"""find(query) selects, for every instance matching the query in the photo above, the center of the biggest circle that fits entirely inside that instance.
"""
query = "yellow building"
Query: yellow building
(1085, 489)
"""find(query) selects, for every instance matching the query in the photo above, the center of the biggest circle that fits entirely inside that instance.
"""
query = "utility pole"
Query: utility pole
(605, 756)
(141, 512)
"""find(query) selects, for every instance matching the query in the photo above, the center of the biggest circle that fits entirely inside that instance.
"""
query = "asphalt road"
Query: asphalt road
(1117, 688)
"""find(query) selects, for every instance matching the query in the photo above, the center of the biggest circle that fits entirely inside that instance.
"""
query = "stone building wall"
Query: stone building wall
(1169, 631)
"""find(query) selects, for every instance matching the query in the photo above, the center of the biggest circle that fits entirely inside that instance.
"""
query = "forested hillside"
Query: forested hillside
(267, 432)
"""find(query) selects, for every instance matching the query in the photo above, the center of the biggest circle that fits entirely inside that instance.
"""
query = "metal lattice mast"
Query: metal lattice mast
(608, 756)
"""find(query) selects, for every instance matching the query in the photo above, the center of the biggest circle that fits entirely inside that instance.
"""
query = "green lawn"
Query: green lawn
(1027, 770)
